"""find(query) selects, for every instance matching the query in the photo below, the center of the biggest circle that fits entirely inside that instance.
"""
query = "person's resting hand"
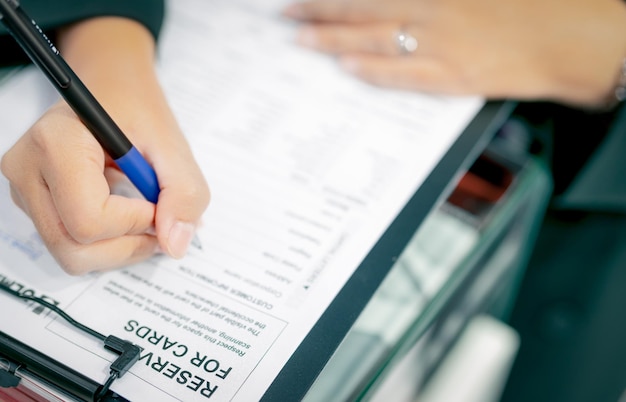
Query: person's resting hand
(563, 50)
(61, 177)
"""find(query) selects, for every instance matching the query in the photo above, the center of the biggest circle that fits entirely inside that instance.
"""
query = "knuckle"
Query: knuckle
(11, 166)
(204, 193)
(73, 263)
(42, 139)
(199, 192)
(204, 196)
(5, 166)
(65, 253)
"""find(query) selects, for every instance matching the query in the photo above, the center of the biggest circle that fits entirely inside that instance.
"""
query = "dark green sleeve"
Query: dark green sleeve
(51, 15)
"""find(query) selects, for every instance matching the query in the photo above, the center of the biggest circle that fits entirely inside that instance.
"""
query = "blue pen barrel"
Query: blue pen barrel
(140, 173)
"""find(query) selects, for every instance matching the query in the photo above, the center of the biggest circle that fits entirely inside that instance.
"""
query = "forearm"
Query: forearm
(114, 57)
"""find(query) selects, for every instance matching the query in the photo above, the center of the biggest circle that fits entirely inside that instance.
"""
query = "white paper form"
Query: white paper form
(307, 167)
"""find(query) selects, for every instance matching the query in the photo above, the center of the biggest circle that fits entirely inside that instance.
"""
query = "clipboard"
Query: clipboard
(304, 350)
(42, 376)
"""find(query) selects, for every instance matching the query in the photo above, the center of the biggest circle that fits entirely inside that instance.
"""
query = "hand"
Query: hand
(62, 179)
(562, 50)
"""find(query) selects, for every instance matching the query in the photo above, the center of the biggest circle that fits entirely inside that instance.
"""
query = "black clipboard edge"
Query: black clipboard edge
(304, 366)
(47, 370)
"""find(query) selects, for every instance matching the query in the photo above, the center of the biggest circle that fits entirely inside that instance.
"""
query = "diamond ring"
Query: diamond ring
(406, 42)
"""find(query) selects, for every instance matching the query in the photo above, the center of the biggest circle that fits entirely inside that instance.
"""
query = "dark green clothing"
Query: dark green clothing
(51, 15)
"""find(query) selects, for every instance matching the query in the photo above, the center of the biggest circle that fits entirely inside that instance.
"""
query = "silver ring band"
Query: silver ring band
(406, 42)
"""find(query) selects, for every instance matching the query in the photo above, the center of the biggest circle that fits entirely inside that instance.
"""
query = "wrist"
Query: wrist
(114, 57)
(106, 50)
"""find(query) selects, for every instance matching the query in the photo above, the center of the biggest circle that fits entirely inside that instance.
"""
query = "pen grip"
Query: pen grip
(140, 173)
(111, 137)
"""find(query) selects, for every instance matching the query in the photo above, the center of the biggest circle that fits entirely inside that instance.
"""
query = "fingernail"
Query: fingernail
(179, 239)
(307, 37)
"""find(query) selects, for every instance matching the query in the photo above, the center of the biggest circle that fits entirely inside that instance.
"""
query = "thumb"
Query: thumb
(183, 199)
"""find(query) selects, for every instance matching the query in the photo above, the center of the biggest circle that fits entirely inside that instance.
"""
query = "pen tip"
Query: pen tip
(196, 243)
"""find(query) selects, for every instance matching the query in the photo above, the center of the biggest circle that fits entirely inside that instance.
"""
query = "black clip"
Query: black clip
(8, 378)
(129, 354)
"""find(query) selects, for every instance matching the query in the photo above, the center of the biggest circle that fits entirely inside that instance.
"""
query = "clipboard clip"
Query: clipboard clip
(8, 377)
(29, 375)
(41, 368)
(21, 388)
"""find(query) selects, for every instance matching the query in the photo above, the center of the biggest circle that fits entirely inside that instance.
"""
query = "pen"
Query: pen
(46, 57)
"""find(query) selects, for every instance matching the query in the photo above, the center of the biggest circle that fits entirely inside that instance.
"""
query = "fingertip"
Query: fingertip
(182, 203)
